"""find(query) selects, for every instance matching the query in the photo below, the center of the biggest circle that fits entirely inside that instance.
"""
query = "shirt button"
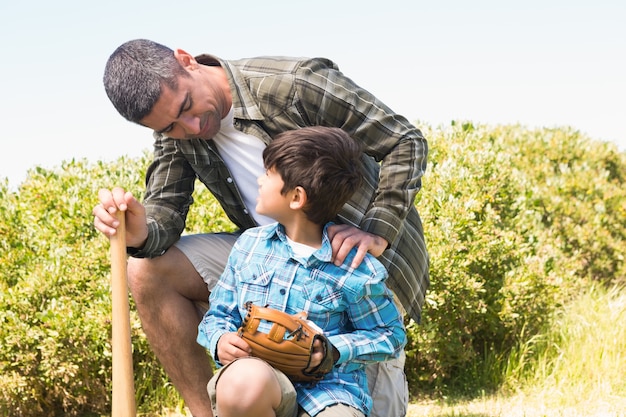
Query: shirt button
(282, 291)
(245, 211)
(229, 180)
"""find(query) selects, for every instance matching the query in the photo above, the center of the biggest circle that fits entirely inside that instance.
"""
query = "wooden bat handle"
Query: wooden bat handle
(123, 397)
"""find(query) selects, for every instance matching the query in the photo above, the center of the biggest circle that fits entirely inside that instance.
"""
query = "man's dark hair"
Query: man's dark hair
(324, 161)
(135, 73)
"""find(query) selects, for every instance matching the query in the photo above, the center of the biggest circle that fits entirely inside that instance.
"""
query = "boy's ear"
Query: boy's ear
(298, 198)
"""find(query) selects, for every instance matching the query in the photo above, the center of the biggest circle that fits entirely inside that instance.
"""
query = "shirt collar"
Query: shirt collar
(323, 254)
(244, 102)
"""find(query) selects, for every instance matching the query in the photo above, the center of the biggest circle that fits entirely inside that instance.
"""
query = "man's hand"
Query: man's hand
(344, 237)
(230, 347)
(105, 220)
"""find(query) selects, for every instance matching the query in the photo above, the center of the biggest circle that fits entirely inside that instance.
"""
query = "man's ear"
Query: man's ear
(298, 198)
(185, 59)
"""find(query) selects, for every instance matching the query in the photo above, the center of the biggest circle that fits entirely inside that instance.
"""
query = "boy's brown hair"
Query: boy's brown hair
(325, 161)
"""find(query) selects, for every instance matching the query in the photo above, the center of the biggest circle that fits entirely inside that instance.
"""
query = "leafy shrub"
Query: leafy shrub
(55, 303)
(517, 222)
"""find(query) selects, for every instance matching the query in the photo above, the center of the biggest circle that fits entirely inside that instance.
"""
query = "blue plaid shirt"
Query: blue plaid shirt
(354, 307)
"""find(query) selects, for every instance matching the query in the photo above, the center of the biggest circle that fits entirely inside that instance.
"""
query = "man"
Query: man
(211, 120)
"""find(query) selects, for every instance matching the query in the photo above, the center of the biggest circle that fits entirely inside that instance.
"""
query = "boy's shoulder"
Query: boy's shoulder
(370, 265)
(259, 231)
(258, 238)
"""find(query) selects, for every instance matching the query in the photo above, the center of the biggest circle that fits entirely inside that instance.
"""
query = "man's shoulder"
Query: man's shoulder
(269, 65)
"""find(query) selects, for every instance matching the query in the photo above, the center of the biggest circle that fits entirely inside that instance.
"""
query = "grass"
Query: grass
(575, 368)
(518, 406)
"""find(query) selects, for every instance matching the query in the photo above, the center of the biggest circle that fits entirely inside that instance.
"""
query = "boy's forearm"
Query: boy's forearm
(375, 340)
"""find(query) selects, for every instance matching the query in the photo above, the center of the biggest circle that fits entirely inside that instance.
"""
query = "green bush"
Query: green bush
(517, 222)
(55, 303)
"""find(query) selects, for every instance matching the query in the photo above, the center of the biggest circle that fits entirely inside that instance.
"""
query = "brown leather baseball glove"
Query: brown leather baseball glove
(288, 345)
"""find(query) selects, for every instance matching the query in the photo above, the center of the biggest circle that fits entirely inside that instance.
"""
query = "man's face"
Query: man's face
(195, 109)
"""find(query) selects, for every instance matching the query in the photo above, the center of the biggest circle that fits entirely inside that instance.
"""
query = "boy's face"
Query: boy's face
(270, 201)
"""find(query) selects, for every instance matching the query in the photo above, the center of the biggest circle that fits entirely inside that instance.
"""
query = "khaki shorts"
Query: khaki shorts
(388, 387)
(288, 406)
(208, 253)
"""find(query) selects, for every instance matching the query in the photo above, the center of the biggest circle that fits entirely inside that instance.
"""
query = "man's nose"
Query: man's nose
(190, 123)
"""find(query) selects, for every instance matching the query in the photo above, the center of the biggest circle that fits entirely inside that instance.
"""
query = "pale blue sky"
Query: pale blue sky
(534, 62)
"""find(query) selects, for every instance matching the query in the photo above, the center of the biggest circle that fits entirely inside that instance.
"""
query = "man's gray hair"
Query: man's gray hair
(134, 74)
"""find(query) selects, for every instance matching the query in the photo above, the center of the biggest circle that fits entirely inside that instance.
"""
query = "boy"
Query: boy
(311, 173)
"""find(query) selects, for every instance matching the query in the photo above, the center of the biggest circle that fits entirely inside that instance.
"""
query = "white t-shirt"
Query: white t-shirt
(300, 249)
(243, 155)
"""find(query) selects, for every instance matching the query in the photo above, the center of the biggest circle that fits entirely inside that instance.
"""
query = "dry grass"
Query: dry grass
(522, 406)
(517, 406)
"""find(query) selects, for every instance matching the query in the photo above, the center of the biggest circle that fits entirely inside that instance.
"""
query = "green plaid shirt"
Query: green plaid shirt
(275, 94)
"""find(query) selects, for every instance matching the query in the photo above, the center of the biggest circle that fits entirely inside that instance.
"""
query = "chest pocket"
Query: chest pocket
(323, 299)
(254, 280)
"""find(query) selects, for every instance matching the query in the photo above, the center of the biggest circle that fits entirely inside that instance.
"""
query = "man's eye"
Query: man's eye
(188, 104)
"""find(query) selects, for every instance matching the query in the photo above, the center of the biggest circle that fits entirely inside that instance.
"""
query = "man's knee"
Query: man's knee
(139, 272)
(135, 271)
(168, 278)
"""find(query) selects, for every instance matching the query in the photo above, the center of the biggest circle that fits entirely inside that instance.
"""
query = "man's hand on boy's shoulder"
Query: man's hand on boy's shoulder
(230, 347)
(344, 237)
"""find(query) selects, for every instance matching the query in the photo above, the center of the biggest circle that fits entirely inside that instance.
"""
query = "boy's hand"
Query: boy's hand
(230, 347)
(318, 353)
(344, 237)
